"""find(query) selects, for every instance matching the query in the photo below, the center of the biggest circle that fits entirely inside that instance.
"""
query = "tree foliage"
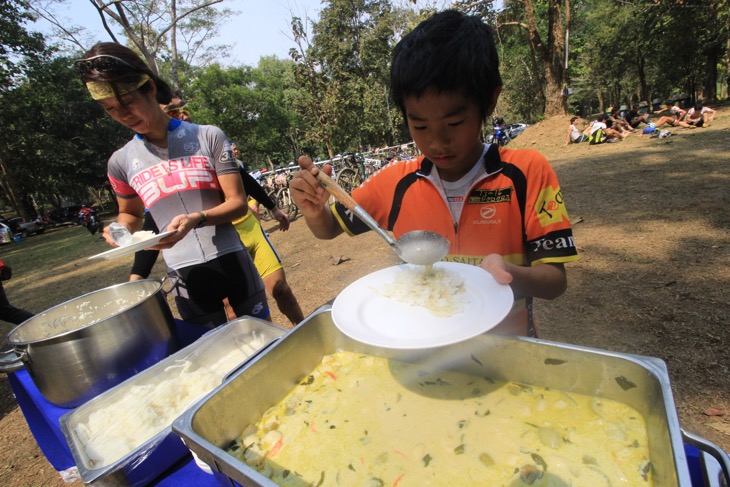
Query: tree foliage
(343, 68)
(253, 106)
(619, 52)
(55, 140)
(332, 96)
(15, 40)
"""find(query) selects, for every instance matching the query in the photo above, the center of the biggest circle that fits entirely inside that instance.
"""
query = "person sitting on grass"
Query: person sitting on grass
(699, 115)
(600, 132)
(618, 123)
(574, 134)
(674, 119)
(694, 116)
(634, 118)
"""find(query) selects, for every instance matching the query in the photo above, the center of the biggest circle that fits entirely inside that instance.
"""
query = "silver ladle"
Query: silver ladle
(419, 247)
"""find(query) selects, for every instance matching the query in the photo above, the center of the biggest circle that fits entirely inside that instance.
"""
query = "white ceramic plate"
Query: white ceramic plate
(130, 249)
(367, 316)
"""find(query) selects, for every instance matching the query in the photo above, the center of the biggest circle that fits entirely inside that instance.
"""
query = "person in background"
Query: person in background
(618, 123)
(8, 312)
(708, 114)
(176, 109)
(610, 133)
(634, 118)
(254, 238)
(445, 80)
(87, 218)
(699, 115)
(144, 260)
(674, 119)
(154, 170)
(575, 136)
(694, 116)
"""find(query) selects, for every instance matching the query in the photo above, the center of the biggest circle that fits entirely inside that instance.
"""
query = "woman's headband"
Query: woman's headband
(101, 90)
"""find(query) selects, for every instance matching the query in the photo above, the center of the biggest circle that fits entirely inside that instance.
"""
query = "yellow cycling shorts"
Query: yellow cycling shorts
(257, 243)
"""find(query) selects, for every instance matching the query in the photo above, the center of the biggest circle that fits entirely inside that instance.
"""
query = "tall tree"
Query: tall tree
(253, 106)
(343, 68)
(155, 28)
(16, 42)
(545, 23)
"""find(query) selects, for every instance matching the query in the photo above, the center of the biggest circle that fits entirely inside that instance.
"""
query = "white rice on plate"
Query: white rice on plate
(440, 291)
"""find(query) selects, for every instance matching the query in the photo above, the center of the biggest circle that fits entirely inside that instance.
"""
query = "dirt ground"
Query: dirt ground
(651, 224)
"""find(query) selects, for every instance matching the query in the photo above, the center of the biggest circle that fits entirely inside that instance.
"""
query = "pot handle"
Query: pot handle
(11, 360)
(706, 446)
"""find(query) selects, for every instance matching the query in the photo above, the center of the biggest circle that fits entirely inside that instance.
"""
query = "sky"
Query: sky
(261, 28)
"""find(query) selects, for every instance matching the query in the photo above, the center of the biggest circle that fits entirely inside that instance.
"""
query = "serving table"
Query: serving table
(43, 421)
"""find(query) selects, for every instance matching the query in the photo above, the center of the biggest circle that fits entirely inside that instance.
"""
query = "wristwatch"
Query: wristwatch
(203, 220)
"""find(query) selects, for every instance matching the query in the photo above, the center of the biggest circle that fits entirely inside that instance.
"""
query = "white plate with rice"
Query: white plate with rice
(403, 307)
(139, 244)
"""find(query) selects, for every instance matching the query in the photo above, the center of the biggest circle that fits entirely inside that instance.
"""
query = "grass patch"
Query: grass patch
(52, 268)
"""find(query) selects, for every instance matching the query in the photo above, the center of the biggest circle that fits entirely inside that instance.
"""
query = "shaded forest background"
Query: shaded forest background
(331, 95)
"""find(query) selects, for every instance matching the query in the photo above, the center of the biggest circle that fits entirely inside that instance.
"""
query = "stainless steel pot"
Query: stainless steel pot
(81, 348)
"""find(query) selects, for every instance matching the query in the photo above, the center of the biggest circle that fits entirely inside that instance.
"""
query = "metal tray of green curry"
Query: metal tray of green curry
(638, 381)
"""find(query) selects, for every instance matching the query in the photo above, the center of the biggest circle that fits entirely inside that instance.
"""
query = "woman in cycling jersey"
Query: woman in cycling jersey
(187, 177)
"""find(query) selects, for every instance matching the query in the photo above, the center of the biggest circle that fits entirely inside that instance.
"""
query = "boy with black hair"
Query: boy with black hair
(500, 209)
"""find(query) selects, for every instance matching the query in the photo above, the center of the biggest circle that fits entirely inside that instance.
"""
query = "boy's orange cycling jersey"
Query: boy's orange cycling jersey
(515, 210)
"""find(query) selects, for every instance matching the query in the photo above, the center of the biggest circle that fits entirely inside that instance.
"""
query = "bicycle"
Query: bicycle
(353, 171)
(285, 202)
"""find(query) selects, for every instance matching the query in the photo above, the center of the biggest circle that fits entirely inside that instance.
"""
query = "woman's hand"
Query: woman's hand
(108, 236)
(181, 225)
(281, 218)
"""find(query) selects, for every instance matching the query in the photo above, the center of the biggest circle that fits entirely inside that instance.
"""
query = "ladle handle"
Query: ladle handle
(337, 191)
(344, 197)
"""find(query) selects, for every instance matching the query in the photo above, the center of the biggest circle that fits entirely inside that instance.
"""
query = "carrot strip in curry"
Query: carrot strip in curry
(275, 449)
(397, 480)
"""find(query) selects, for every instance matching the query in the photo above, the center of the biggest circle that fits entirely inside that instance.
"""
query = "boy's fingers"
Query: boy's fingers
(305, 162)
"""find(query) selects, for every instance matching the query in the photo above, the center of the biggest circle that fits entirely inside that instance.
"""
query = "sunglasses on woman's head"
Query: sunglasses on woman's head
(102, 63)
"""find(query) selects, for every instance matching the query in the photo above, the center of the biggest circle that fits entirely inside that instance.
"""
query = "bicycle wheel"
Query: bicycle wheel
(349, 179)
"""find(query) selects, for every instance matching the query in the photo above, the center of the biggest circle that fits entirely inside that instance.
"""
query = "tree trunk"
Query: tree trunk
(643, 87)
(601, 102)
(8, 183)
(173, 45)
(551, 55)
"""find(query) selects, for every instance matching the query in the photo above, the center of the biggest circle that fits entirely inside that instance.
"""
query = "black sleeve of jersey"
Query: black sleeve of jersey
(354, 225)
(553, 245)
(255, 191)
(144, 260)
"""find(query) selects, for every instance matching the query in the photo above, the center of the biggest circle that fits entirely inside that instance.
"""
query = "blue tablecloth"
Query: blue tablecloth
(43, 421)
